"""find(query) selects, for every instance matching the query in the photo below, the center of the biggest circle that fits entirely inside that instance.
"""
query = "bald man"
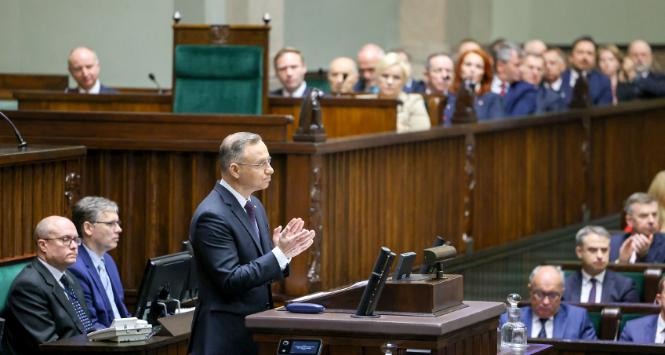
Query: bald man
(368, 56)
(647, 84)
(83, 65)
(45, 301)
(342, 75)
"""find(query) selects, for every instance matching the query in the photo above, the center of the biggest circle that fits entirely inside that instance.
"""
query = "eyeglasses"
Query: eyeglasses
(263, 164)
(67, 240)
(540, 295)
(109, 223)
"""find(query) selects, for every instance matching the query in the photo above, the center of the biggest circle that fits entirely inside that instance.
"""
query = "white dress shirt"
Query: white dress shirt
(586, 286)
(279, 255)
(93, 90)
(300, 91)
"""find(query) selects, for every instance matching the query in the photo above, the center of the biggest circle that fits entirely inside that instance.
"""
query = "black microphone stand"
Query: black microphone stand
(22, 144)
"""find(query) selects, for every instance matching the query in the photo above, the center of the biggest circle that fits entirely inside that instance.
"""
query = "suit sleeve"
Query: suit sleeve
(495, 109)
(587, 331)
(605, 97)
(630, 293)
(652, 86)
(216, 246)
(28, 302)
(86, 288)
(627, 334)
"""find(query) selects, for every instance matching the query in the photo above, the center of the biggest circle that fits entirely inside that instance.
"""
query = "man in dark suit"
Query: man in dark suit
(644, 243)
(368, 56)
(236, 257)
(291, 69)
(547, 317)
(519, 96)
(647, 84)
(96, 220)
(583, 62)
(594, 283)
(45, 302)
(83, 65)
(438, 74)
(647, 329)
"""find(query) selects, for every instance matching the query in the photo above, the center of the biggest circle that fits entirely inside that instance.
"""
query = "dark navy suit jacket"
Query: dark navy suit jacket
(600, 87)
(520, 100)
(616, 288)
(236, 268)
(548, 100)
(415, 86)
(656, 252)
(649, 87)
(571, 322)
(487, 107)
(640, 330)
(99, 306)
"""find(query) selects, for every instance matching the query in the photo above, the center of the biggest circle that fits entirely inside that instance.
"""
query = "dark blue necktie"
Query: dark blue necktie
(249, 207)
(592, 292)
(543, 332)
(78, 309)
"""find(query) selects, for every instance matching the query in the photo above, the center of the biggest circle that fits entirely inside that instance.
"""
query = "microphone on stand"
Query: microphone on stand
(152, 78)
(22, 144)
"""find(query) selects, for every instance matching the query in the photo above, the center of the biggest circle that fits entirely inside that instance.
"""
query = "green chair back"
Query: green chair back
(594, 317)
(638, 278)
(8, 272)
(218, 79)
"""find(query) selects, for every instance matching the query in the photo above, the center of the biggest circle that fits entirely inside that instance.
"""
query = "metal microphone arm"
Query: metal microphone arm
(22, 144)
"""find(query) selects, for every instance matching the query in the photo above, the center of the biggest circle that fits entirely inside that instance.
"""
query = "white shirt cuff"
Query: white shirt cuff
(281, 258)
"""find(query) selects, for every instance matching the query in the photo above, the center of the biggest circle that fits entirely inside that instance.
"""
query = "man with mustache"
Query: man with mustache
(583, 62)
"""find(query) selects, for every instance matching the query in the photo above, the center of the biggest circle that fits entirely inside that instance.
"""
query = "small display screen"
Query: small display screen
(305, 347)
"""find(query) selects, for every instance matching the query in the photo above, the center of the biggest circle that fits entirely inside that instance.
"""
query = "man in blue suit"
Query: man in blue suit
(594, 283)
(648, 84)
(83, 65)
(647, 329)
(583, 62)
(234, 252)
(644, 243)
(96, 220)
(547, 317)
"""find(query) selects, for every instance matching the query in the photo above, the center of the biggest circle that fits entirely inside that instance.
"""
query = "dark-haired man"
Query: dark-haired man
(644, 243)
(291, 69)
(583, 63)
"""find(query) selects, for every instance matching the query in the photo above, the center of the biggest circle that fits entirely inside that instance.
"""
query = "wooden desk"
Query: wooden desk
(12, 82)
(157, 345)
(41, 181)
(122, 102)
(470, 330)
(343, 116)
(601, 347)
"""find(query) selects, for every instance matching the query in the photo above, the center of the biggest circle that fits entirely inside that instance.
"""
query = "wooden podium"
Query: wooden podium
(427, 315)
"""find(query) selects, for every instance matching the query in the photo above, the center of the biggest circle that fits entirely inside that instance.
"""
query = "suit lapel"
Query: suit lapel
(92, 271)
(651, 329)
(559, 322)
(59, 293)
(239, 212)
(608, 286)
(526, 319)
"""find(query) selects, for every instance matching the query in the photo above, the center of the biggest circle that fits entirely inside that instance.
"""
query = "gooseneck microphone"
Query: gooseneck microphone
(22, 144)
(152, 78)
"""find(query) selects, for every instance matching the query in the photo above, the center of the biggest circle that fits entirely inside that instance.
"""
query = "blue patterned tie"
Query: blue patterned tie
(249, 207)
(592, 292)
(543, 331)
(78, 309)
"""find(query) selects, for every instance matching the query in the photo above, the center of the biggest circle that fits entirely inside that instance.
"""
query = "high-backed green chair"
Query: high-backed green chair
(218, 79)
(8, 272)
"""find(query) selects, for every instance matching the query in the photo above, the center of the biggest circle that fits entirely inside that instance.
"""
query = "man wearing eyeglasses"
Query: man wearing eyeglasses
(45, 302)
(97, 222)
(546, 317)
(236, 255)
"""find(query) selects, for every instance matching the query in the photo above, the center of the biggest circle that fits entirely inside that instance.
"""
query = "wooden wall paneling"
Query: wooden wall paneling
(120, 102)
(11, 82)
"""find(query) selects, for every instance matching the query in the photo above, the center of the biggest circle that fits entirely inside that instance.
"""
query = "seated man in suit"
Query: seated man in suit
(83, 65)
(438, 74)
(647, 84)
(45, 302)
(594, 283)
(342, 75)
(519, 96)
(583, 62)
(96, 220)
(648, 329)
(547, 317)
(644, 243)
(291, 69)
(368, 56)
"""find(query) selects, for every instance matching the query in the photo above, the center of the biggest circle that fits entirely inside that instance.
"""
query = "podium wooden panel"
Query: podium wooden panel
(11, 82)
(40, 181)
(470, 330)
(121, 102)
(157, 345)
(343, 116)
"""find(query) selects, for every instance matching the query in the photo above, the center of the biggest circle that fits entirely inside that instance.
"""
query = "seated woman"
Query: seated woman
(620, 71)
(391, 75)
(474, 68)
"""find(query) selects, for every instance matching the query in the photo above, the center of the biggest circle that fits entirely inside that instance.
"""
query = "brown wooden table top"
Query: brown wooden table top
(11, 155)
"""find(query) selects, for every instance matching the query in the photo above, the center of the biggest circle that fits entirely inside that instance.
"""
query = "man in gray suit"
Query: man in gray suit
(45, 301)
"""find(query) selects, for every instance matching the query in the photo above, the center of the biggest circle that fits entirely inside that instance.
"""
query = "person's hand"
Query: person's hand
(642, 243)
(626, 250)
(293, 239)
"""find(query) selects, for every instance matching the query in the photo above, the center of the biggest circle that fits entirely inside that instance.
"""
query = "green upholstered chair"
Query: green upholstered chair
(218, 79)
(8, 272)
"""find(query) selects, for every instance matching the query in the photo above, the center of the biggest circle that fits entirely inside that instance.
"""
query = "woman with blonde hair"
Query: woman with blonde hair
(657, 191)
(391, 75)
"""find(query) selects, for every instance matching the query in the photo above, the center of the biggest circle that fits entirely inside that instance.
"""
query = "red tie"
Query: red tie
(503, 89)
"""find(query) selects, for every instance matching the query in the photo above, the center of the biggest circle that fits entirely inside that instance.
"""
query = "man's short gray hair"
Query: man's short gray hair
(233, 146)
(539, 267)
(582, 233)
(637, 197)
(505, 51)
(89, 208)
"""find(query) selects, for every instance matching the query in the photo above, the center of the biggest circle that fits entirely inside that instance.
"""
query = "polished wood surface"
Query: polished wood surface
(600, 347)
(471, 330)
(157, 345)
(60, 101)
(253, 35)
(12, 82)
(35, 183)
(343, 116)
